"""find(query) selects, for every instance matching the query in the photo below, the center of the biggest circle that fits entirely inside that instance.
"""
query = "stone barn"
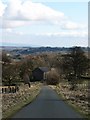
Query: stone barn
(40, 73)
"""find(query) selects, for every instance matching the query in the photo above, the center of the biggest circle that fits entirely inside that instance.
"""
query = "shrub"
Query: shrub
(52, 77)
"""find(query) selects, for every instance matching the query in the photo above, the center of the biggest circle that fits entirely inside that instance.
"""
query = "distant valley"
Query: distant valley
(36, 50)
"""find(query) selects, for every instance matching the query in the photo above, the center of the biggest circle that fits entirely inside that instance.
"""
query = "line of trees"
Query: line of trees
(71, 65)
(16, 72)
(75, 64)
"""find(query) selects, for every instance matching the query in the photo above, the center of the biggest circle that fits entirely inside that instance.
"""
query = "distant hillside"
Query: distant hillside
(41, 50)
(33, 50)
(36, 50)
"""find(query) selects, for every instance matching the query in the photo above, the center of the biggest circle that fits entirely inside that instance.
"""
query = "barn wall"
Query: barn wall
(37, 74)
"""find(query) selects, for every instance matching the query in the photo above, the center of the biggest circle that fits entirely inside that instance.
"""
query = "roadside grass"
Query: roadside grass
(71, 98)
(18, 107)
(22, 102)
(75, 107)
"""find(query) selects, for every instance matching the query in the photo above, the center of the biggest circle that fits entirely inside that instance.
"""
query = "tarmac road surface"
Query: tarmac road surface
(47, 105)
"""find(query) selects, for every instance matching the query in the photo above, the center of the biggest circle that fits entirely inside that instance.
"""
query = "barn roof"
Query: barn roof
(44, 69)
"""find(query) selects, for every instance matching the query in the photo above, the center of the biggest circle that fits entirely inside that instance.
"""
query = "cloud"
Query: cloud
(11, 31)
(12, 10)
(72, 33)
(72, 25)
(38, 11)
(12, 23)
(2, 8)
(31, 11)
(65, 34)
(19, 13)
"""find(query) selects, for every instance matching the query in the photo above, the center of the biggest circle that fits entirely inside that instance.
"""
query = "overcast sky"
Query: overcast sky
(55, 24)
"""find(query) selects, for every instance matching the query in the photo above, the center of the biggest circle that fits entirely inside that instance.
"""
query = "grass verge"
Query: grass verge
(71, 103)
(15, 108)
